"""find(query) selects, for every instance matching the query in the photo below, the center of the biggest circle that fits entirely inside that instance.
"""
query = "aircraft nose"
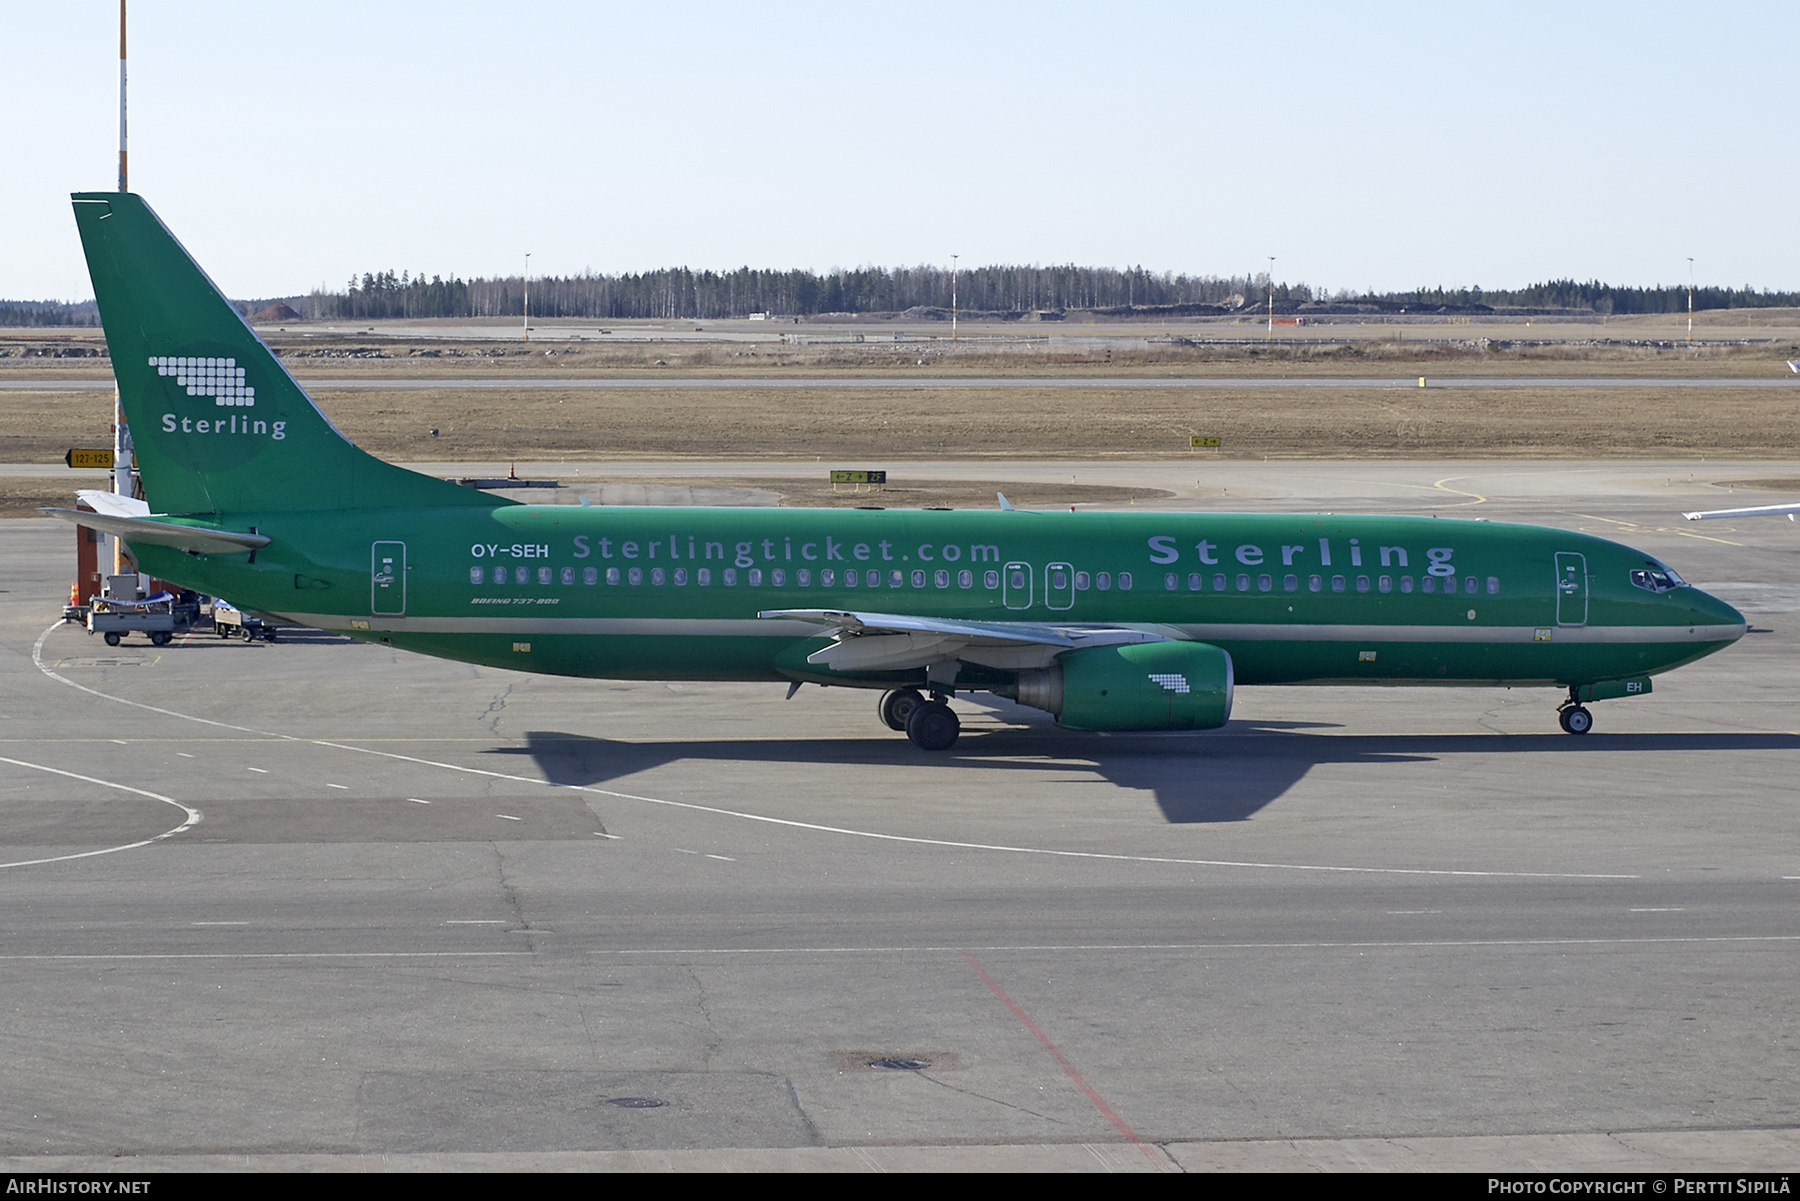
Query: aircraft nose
(1708, 610)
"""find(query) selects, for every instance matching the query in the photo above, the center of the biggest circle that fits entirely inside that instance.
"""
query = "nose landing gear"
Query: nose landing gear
(1572, 717)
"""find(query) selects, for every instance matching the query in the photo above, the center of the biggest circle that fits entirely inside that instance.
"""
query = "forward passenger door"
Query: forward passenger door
(1571, 588)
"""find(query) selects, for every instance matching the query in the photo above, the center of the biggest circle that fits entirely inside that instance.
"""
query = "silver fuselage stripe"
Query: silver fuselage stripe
(682, 627)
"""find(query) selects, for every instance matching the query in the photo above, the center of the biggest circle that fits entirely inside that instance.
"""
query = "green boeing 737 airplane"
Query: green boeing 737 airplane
(1108, 621)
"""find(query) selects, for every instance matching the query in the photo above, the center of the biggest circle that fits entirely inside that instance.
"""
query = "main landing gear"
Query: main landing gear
(1572, 717)
(898, 705)
(930, 724)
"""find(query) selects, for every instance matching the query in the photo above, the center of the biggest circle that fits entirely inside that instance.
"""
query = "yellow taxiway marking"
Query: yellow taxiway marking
(1439, 487)
(1635, 528)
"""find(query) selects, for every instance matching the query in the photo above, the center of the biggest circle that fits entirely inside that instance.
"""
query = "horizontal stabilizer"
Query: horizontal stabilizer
(111, 502)
(199, 539)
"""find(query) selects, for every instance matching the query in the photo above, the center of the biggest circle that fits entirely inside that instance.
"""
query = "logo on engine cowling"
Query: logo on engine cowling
(1171, 681)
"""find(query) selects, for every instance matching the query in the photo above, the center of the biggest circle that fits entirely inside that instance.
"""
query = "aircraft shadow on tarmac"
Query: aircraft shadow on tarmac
(1217, 776)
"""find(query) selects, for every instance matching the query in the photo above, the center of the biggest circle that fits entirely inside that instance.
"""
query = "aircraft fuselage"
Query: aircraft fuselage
(664, 593)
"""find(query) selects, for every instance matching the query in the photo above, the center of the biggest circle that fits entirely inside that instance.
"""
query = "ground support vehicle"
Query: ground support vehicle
(229, 621)
(159, 617)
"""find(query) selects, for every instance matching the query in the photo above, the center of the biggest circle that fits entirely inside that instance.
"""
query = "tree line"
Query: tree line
(1592, 296)
(683, 293)
(680, 293)
(28, 313)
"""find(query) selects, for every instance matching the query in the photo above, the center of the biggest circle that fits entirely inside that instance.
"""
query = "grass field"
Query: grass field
(868, 427)
(1622, 348)
(872, 427)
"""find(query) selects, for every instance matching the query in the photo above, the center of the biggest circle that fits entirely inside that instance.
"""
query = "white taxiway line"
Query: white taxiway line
(1186, 947)
(37, 657)
(193, 815)
(274, 955)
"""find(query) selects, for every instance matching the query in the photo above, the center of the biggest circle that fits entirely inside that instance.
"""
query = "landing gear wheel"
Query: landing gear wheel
(112, 637)
(933, 726)
(161, 638)
(898, 705)
(1575, 720)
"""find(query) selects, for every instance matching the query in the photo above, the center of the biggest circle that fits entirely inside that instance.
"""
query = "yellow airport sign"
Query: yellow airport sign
(1208, 443)
(89, 458)
(859, 477)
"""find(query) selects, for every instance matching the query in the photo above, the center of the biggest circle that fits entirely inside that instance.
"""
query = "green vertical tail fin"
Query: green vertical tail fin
(217, 423)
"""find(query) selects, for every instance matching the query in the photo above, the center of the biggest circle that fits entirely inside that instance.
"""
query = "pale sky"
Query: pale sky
(1364, 145)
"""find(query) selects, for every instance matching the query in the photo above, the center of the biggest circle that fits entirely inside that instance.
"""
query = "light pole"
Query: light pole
(1690, 299)
(1271, 336)
(953, 259)
(122, 473)
(122, 186)
(528, 296)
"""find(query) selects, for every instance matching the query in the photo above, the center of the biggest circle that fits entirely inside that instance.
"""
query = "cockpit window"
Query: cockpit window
(1655, 577)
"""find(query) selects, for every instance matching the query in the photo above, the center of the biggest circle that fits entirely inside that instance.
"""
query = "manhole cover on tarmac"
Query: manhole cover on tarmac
(886, 1059)
(634, 1102)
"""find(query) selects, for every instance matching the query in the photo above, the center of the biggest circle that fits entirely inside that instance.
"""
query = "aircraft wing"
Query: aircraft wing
(198, 539)
(1756, 511)
(863, 641)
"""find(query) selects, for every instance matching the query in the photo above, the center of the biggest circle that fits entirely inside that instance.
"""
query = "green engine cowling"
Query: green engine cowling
(1142, 686)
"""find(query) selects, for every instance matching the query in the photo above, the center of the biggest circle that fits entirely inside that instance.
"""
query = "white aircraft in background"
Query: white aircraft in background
(1758, 510)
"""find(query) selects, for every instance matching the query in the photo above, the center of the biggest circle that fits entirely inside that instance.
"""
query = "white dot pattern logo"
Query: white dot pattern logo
(221, 379)
(1173, 681)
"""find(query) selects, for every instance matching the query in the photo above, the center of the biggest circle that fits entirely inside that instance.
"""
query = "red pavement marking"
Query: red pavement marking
(1099, 1102)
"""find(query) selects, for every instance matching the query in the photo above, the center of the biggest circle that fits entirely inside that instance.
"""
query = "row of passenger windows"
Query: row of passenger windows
(1266, 583)
(730, 576)
(778, 577)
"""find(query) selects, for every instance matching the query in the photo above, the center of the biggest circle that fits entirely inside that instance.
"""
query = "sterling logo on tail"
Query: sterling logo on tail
(230, 438)
(221, 379)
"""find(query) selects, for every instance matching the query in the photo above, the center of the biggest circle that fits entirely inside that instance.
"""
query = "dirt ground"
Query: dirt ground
(902, 492)
(873, 428)
(23, 496)
(852, 427)
(1564, 349)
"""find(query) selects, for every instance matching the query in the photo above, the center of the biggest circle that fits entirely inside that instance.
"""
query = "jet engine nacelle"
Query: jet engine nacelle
(1142, 686)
